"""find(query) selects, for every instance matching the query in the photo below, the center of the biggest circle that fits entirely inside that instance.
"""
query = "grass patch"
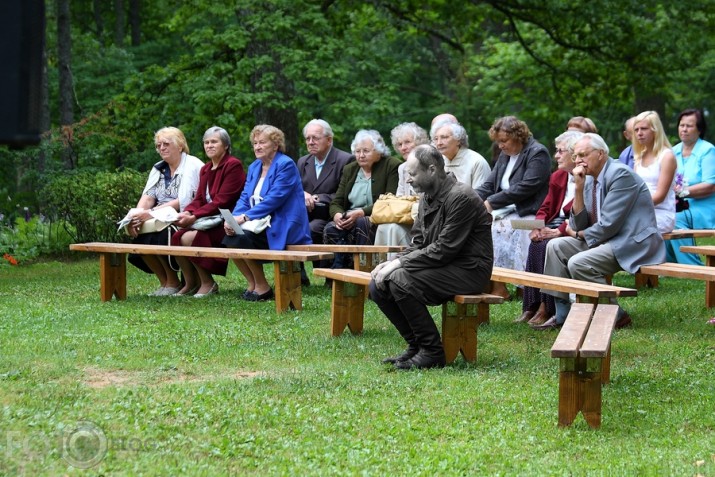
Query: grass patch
(219, 386)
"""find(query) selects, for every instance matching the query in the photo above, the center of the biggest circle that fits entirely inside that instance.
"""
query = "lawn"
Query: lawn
(219, 386)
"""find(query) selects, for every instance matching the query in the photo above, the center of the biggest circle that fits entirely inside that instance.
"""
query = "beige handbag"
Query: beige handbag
(391, 209)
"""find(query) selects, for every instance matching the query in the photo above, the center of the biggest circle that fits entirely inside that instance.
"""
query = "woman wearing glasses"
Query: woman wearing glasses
(538, 307)
(515, 189)
(373, 173)
(273, 188)
(172, 183)
(655, 162)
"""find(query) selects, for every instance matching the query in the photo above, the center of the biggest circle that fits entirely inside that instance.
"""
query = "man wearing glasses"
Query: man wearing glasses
(320, 172)
(614, 221)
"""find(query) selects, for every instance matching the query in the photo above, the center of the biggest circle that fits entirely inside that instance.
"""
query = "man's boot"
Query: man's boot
(394, 314)
(431, 351)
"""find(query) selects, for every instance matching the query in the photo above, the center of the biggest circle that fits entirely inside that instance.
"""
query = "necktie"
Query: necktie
(594, 203)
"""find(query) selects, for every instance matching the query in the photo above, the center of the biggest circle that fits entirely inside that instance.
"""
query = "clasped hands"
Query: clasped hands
(346, 220)
(544, 233)
(383, 271)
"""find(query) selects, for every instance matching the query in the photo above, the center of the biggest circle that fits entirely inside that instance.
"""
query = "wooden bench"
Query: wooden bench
(583, 348)
(113, 271)
(584, 291)
(648, 274)
(365, 257)
(650, 280)
(688, 233)
(460, 317)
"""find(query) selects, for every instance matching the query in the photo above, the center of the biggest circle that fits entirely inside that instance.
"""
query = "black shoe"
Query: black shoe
(407, 354)
(423, 360)
(328, 283)
(253, 296)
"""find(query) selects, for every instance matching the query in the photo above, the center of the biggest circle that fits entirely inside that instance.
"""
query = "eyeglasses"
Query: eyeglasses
(159, 145)
(583, 155)
(313, 138)
(363, 152)
(562, 151)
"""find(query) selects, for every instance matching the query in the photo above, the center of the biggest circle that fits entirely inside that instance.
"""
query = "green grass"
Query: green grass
(219, 386)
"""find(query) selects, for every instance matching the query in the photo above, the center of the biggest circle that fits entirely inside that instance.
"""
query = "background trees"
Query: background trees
(137, 65)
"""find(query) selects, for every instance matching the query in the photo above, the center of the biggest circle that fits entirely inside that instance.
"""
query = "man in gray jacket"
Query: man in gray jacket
(612, 222)
(451, 254)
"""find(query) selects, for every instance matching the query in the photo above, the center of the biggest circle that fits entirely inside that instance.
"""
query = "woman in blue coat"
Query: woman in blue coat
(273, 188)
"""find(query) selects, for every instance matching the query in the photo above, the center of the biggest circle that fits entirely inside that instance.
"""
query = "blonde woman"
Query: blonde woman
(655, 163)
(172, 183)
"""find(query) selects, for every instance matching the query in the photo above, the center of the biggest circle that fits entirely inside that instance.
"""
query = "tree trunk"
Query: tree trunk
(44, 111)
(98, 20)
(64, 53)
(119, 23)
(135, 21)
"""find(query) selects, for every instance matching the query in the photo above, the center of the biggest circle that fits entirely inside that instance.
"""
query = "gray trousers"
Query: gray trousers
(568, 257)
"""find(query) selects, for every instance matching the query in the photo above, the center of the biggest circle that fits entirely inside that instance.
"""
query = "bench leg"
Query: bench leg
(591, 388)
(347, 308)
(113, 276)
(643, 280)
(288, 291)
(569, 391)
(459, 329)
(580, 381)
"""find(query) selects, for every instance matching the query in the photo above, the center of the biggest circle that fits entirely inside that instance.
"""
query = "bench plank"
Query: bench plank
(573, 332)
(559, 284)
(680, 270)
(365, 257)
(113, 275)
(688, 233)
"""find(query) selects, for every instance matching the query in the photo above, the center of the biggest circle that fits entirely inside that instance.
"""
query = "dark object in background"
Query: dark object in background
(22, 38)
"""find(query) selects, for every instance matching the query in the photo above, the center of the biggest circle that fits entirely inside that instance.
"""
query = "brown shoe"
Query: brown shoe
(526, 316)
(550, 324)
(539, 318)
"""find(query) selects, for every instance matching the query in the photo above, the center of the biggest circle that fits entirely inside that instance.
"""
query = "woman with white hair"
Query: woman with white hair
(405, 137)
(373, 173)
(469, 167)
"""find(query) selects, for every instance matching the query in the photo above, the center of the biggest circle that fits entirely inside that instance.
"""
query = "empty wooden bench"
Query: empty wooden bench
(365, 257)
(113, 271)
(460, 317)
(648, 275)
(651, 281)
(583, 348)
(688, 233)
(584, 291)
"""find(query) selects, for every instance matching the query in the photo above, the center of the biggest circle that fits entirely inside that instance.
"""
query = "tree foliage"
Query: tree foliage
(360, 64)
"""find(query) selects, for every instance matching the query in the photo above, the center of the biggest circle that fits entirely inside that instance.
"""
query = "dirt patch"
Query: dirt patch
(103, 378)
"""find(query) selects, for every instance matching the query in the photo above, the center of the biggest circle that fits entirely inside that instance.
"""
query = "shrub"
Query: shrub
(93, 202)
(29, 239)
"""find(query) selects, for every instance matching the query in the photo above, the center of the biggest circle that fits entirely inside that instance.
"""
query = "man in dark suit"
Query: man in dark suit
(320, 172)
(614, 223)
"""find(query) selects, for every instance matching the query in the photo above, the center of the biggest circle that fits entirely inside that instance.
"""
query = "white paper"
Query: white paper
(228, 218)
(527, 224)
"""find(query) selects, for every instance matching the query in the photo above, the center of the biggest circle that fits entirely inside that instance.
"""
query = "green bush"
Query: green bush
(29, 239)
(93, 202)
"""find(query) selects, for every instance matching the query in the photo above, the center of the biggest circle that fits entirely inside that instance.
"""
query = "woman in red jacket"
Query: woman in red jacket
(221, 182)
(538, 307)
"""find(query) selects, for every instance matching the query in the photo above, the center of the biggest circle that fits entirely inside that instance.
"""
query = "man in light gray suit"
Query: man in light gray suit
(320, 172)
(615, 232)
